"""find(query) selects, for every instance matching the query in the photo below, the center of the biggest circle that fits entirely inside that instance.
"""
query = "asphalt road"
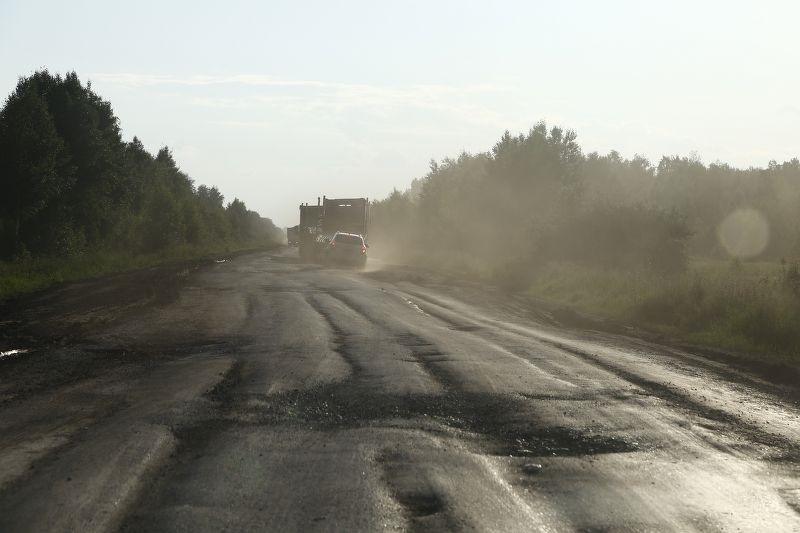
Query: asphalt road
(264, 394)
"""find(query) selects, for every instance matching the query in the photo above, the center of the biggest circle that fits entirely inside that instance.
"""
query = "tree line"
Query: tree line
(536, 198)
(70, 184)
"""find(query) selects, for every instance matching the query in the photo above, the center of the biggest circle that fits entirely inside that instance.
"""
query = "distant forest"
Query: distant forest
(536, 198)
(70, 184)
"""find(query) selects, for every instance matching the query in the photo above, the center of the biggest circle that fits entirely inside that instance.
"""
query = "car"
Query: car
(346, 248)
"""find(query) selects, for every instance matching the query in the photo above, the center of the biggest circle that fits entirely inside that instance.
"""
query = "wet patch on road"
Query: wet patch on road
(466, 328)
(755, 435)
(14, 352)
(271, 289)
(419, 499)
(792, 498)
(425, 507)
(339, 337)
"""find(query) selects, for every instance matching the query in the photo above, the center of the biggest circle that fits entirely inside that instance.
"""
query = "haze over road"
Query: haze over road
(266, 394)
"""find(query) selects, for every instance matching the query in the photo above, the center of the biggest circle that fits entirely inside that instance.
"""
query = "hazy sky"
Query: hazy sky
(279, 102)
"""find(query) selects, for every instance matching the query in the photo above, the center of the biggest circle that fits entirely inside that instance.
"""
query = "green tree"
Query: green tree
(90, 131)
(70, 184)
(33, 163)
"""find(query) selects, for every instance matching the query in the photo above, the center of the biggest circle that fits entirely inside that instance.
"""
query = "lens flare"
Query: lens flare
(744, 233)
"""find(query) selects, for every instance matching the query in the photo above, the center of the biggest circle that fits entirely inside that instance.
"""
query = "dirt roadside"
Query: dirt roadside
(48, 329)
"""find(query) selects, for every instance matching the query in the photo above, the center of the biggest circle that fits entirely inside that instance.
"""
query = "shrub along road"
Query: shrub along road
(263, 393)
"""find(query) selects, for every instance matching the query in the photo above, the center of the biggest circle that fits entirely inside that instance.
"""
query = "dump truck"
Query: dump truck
(319, 223)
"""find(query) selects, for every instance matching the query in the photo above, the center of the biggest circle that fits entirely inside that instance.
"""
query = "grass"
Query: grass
(748, 307)
(751, 307)
(28, 275)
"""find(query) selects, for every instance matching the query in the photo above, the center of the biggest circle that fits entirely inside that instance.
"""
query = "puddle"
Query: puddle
(415, 306)
(11, 353)
(792, 498)
(466, 328)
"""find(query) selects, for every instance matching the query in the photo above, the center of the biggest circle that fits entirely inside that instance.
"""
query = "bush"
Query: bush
(745, 309)
(627, 238)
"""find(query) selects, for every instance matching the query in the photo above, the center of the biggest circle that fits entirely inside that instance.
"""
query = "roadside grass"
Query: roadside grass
(32, 274)
(461, 265)
(748, 307)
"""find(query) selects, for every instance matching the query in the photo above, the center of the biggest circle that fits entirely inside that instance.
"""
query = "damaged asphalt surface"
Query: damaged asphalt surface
(265, 394)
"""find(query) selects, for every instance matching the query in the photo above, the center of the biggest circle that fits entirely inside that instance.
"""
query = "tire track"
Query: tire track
(339, 337)
(394, 351)
(424, 352)
(670, 394)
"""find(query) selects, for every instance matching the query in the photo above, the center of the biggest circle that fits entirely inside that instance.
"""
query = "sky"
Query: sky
(277, 103)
